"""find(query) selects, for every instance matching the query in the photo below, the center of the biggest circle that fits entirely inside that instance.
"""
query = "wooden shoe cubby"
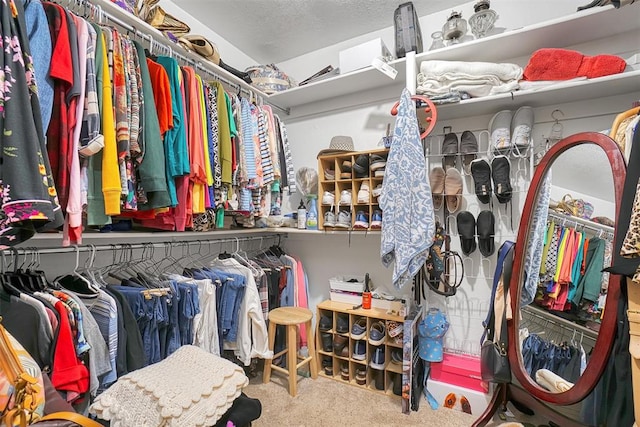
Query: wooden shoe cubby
(344, 180)
(335, 309)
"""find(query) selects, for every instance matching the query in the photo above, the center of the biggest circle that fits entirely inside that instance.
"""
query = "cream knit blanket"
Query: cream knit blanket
(189, 388)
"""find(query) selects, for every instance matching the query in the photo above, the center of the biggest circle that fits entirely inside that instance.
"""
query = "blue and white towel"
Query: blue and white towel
(408, 225)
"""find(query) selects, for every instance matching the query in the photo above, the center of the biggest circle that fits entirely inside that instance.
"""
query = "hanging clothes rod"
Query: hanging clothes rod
(134, 246)
(559, 321)
(107, 11)
(600, 230)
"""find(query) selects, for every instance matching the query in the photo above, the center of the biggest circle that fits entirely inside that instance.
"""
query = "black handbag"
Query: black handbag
(494, 360)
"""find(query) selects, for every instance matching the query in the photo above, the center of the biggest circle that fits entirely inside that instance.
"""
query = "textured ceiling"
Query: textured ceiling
(277, 30)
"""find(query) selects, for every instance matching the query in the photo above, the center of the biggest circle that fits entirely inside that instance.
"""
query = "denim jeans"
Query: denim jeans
(233, 287)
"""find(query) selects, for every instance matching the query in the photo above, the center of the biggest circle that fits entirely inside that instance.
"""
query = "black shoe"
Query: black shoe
(397, 384)
(481, 173)
(501, 175)
(361, 166)
(379, 380)
(486, 229)
(342, 324)
(327, 342)
(325, 323)
(467, 230)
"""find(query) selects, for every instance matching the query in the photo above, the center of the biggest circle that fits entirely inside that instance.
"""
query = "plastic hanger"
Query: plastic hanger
(430, 110)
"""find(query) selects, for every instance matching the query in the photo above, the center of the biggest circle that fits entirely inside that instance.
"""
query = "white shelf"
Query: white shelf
(561, 92)
(581, 27)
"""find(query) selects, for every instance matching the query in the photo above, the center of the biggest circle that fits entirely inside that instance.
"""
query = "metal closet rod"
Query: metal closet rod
(133, 246)
(97, 10)
(569, 220)
(559, 321)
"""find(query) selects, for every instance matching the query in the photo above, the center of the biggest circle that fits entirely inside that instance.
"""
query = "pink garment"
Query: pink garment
(72, 229)
(302, 298)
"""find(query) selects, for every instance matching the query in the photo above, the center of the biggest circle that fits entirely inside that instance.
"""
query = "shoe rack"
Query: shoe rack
(379, 381)
(344, 178)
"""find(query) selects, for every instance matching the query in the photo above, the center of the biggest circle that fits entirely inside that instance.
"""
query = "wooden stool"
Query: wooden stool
(291, 317)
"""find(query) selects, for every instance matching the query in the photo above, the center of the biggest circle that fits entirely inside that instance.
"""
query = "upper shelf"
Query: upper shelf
(581, 27)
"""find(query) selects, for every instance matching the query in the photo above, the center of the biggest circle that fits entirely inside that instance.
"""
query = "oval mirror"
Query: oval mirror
(563, 306)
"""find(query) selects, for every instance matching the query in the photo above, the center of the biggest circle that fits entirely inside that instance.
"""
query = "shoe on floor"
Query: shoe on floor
(344, 219)
(485, 226)
(346, 197)
(328, 198)
(376, 220)
(436, 181)
(453, 190)
(329, 219)
(481, 173)
(500, 132)
(468, 150)
(467, 232)
(501, 175)
(363, 193)
(449, 150)
(362, 220)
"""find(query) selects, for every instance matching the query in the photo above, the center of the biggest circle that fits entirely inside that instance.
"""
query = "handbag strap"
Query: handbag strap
(73, 417)
(502, 253)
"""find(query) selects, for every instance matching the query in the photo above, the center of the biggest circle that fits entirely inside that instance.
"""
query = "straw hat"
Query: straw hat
(339, 144)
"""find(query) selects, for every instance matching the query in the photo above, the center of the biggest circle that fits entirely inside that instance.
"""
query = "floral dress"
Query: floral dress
(29, 199)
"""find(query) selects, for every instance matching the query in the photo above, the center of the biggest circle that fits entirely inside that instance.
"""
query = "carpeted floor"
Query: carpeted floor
(325, 402)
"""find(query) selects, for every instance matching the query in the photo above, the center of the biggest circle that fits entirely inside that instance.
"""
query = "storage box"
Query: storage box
(360, 56)
(452, 397)
(347, 284)
(460, 370)
(355, 298)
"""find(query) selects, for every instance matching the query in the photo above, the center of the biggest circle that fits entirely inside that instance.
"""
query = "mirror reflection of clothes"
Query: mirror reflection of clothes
(563, 360)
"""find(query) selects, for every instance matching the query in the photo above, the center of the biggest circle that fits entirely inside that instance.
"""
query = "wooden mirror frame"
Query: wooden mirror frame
(602, 348)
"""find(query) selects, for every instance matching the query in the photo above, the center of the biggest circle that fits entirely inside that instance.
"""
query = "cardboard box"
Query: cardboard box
(360, 56)
(460, 370)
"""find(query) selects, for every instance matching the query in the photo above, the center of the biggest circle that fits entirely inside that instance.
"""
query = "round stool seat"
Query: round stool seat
(290, 315)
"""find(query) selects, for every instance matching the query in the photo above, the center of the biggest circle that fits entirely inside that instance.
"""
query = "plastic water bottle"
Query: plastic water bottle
(302, 216)
(312, 214)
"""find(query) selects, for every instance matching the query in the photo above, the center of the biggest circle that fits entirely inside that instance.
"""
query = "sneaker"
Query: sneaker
(327, 342)
(376, 220)
(377, 191)
(328, 198)
(329, 174)
(329, 219)
(361, 166)
(379, 173)
(360, 350)
(396, 356)
(342, 324)
(362, 220)
(361, 376)
(359, 328)
(377, 162)
(377, 333)
(344, 219)
(327, 365)
(344, 372)
(339, 344)
(377, 358)
(346, 170)
(394, 329)
(346, 197)
(325, 323)
(363, 193)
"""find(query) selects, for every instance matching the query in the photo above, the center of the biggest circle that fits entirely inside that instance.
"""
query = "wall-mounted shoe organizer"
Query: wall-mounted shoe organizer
(363, 348)
(348, 190)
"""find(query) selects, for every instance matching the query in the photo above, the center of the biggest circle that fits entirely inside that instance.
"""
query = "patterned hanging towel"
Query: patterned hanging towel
(408, 225)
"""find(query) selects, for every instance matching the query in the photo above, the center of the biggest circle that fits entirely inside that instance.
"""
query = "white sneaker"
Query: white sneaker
(363, 193)
(329, 219)
(346, 198)
(377, 191)
(344, 219)
(328, 198)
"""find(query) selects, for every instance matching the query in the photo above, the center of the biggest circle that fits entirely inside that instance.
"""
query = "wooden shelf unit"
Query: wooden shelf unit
(344, 180)
(390, 371)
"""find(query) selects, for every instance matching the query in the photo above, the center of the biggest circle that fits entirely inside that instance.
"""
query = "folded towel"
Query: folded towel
(565, 64)
(470, 70)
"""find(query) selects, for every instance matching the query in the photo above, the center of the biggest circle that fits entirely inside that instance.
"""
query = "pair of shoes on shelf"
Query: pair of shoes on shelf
(341, 345)
(446, 188)
(361, 166)
(377, 165)
(344, 371)
(467, 148)
(359, 350)
(510, 133)
(327, 365)
(483, 228)
(361, 375)
(499, 172)
(362, 221)
(342, 221)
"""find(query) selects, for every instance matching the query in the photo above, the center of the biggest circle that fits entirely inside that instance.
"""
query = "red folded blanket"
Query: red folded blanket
(564, 64)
